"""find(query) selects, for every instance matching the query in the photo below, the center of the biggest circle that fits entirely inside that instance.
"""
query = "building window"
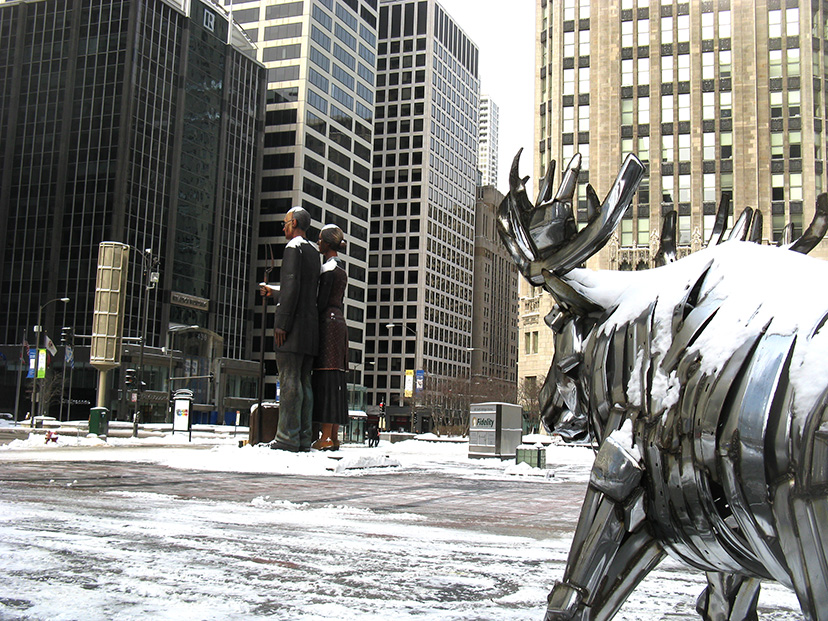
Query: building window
(709, 146)
(284, 31)
(531, 343)
(666, 30)
(725, 63)
(288, 9)
(318, 14)
(626, 112)
(708, 106)
(667, 69)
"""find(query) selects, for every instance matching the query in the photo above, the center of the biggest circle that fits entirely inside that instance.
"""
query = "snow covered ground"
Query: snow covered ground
(66, 553)
(428, 452)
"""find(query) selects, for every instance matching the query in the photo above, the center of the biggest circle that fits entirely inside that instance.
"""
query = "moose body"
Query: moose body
(704, 383)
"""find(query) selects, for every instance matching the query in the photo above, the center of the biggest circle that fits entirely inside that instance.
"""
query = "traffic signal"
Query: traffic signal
(382, 407)
(129, 377)
(66, 335)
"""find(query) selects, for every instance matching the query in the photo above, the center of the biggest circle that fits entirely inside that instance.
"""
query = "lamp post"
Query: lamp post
(66, 340)
(37, 398)
(149, 278)
(409, 329)
(168, 349)
(355, 375)
(471, 351)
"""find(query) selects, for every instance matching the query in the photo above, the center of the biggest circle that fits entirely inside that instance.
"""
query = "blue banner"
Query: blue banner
(32, 363)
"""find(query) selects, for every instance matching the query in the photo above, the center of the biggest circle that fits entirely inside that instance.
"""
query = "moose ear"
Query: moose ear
(569, 300)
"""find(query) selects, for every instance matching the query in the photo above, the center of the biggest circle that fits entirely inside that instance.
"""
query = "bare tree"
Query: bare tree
(50, 391)
(528, 392)
(485, 389)
(449, 400)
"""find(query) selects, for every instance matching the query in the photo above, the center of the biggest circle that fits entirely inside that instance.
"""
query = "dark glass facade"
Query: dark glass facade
(125, 121)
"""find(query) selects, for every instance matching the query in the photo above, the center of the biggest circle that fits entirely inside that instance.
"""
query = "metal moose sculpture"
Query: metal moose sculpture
(704, 382)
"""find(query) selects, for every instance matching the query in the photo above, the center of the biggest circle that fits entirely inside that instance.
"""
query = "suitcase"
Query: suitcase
(263, 427)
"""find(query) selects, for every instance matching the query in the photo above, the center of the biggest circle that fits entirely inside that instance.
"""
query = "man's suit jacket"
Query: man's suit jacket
(296, 311)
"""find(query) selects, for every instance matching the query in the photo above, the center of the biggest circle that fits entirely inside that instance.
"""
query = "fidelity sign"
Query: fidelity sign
(487, 423)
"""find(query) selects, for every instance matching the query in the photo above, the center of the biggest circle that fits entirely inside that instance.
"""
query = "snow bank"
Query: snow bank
(223, 454)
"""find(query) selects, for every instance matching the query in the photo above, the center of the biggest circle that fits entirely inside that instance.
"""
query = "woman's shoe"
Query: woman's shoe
(323, 444)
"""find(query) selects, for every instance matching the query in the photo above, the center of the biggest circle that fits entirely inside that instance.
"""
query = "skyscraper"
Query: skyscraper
(494, 307)
(710, 103)
(135, 122)
(714, 97)
(422, 204)
(321, 62)
(489, 125)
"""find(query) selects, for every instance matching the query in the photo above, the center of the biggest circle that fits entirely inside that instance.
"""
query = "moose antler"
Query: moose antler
(543, 238)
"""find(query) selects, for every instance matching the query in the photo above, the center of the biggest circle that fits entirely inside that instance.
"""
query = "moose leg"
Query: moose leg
(728, 597)
(612, 551)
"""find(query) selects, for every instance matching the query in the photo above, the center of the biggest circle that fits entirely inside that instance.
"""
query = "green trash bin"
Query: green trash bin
(99, 421)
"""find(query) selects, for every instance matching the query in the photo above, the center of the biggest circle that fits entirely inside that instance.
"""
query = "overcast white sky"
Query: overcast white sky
(505, 34)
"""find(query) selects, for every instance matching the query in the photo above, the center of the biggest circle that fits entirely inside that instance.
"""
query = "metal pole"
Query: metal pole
(69, 401)
(170, 413)
(64, 342)
(24, 365)
(147, 256)
(62, 387)
(102, 386)
(39, 400)
(35, 382)
(259, 413)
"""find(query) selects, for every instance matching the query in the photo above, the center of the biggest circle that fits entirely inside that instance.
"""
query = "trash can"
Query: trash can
(99, 421)
(534, 455)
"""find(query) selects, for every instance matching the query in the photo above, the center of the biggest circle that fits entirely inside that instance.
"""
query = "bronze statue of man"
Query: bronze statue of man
(296, 333)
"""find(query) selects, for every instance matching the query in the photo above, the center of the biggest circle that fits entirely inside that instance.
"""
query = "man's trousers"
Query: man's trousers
(295, 401)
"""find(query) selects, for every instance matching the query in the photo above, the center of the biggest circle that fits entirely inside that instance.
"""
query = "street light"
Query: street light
(67, 340)
(354, 376)
(168, 350)
(149, 278)
(471, 351)
(391, 326)
(406, 328)
(37, 400)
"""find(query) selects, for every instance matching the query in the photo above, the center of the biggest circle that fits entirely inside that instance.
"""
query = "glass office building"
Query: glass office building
(419, 319)
(137, 122)
(321, 58)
